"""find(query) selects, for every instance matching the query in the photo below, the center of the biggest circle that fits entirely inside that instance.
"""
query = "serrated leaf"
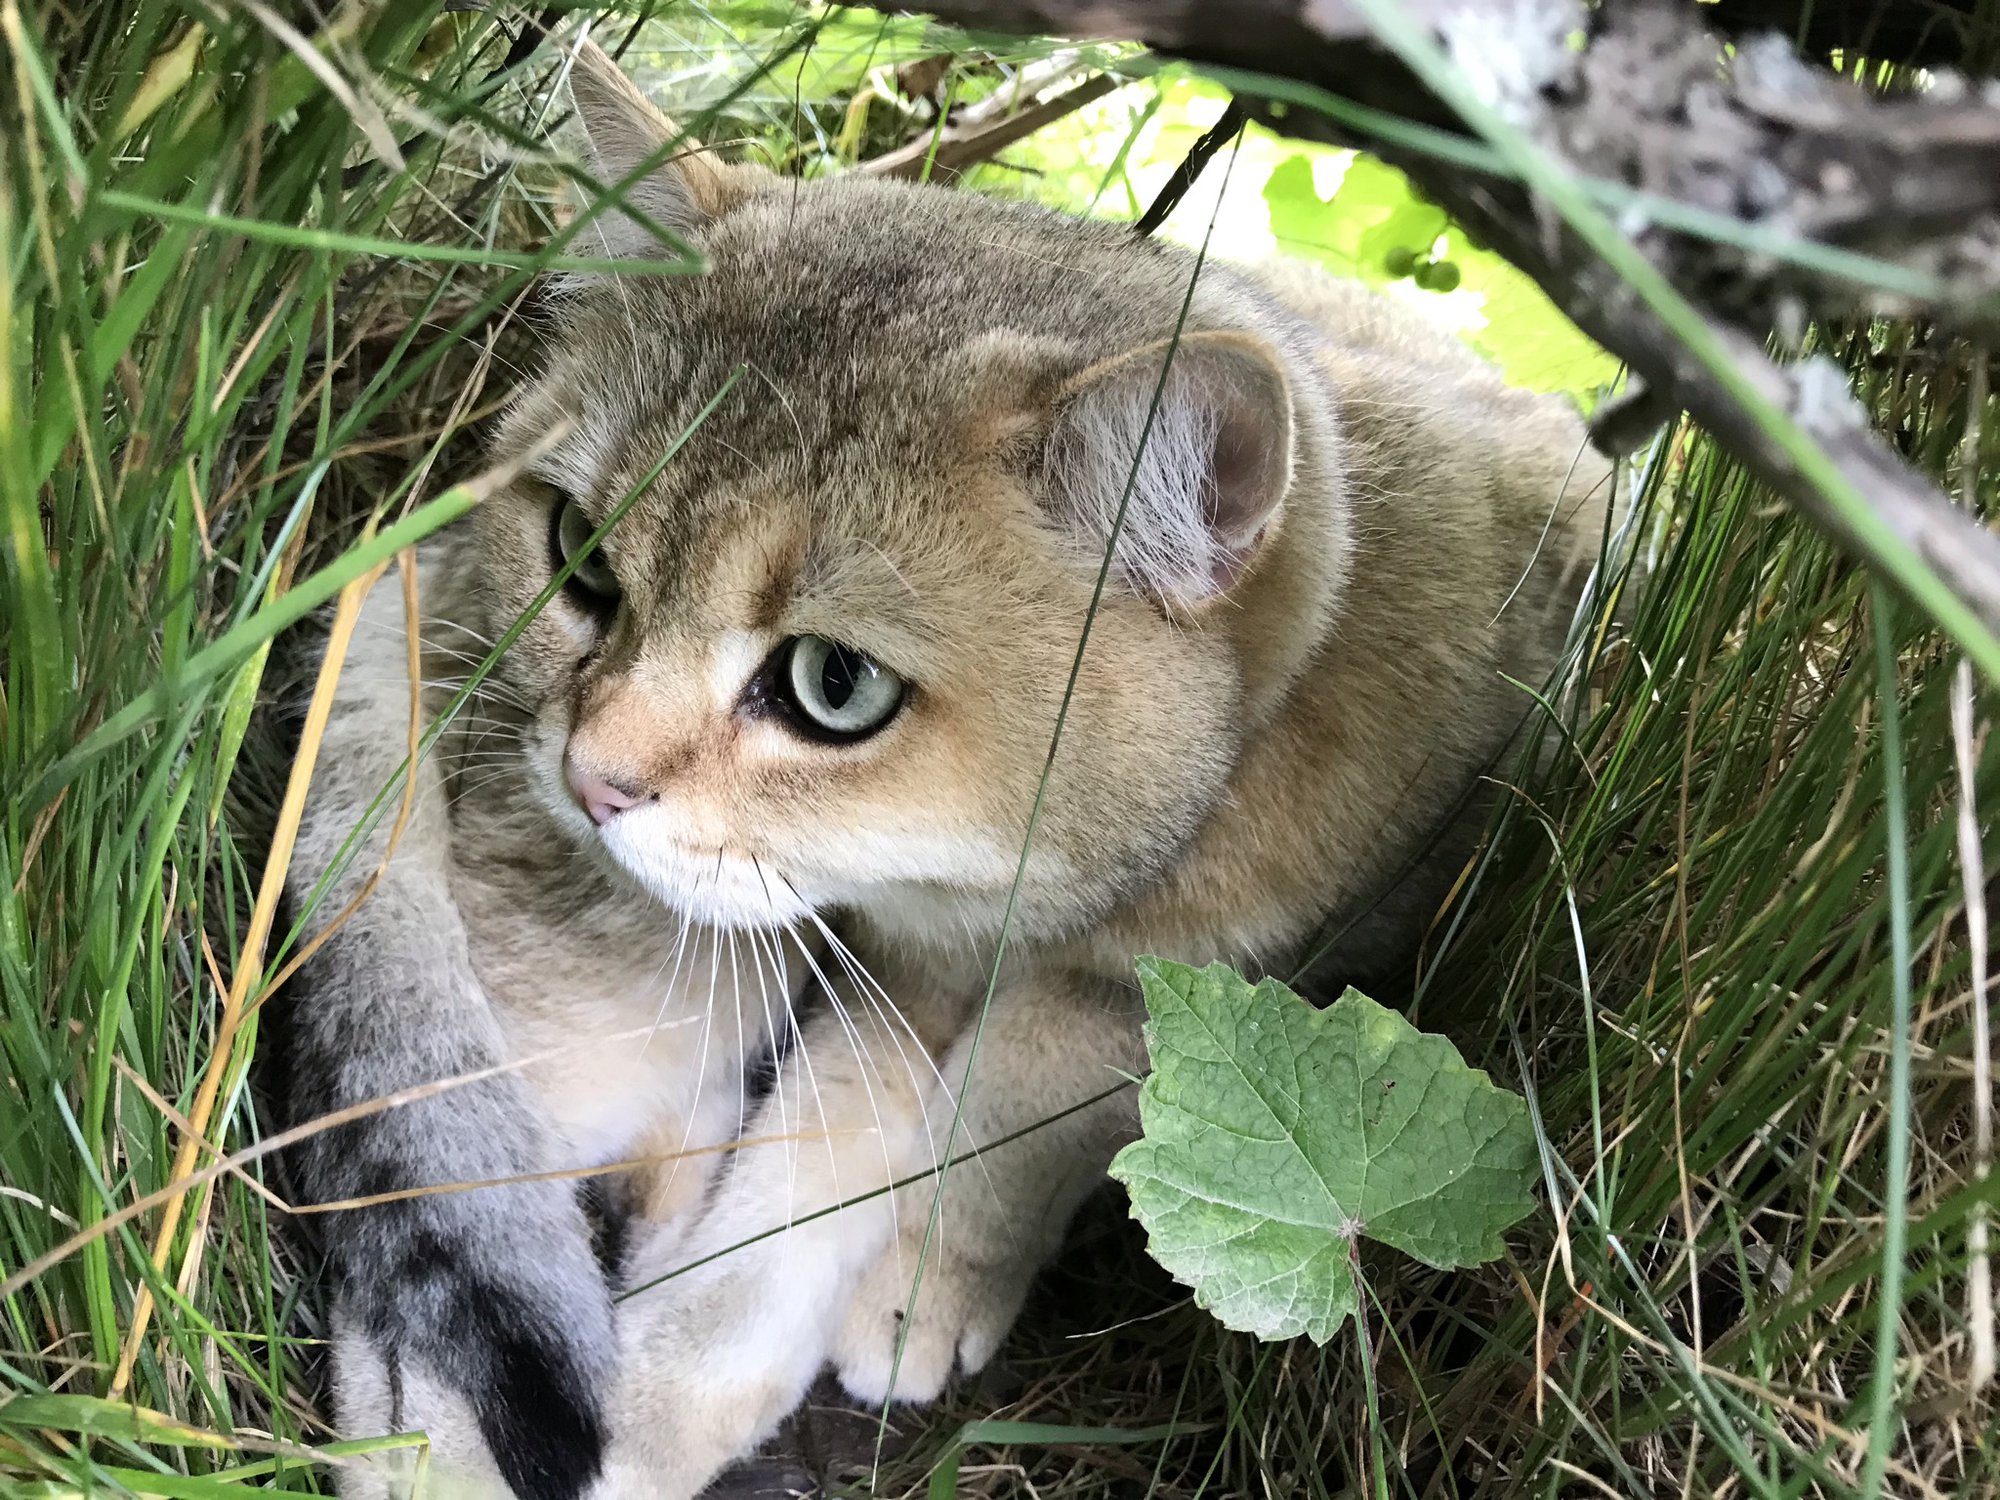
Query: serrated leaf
(1276, 1135)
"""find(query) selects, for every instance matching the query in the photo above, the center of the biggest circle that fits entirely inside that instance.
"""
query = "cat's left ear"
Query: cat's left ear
(683, 193)
(1211, 474)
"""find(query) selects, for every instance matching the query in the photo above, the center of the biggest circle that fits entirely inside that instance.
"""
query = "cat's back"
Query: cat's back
(1476, 512)
(1396, 372)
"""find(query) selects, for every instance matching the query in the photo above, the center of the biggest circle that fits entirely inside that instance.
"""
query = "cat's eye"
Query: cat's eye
(592, 581)
(834, 691)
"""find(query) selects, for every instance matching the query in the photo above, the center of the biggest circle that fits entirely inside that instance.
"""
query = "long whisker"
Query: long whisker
(885, 1015)
(868, 1073)
(778, 1078)
(811, 1079)
(873, 988)
(883, 1006)
(881, 1000)
(701, 1075)
(760, 938)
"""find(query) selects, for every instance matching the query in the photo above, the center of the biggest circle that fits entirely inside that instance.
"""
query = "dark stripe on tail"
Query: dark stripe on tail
(540, 1417)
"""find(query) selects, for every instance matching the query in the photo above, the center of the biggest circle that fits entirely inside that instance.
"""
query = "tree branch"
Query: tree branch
(1652, 102)
(966, 142)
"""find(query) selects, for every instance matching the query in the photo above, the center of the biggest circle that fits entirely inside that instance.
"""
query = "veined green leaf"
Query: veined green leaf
(1277, 1135)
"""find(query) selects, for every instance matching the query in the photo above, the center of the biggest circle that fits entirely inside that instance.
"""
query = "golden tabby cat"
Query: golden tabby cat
(817, 667)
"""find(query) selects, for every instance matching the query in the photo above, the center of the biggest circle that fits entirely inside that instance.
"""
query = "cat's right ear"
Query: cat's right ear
(683, 193)
(1189, 441)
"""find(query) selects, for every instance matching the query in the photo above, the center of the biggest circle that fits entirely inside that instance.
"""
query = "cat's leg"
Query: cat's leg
(729, 1321)
(482, 1315)
(1051, 1043)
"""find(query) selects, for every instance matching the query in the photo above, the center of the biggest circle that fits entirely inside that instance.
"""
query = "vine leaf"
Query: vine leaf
(1277, 1135)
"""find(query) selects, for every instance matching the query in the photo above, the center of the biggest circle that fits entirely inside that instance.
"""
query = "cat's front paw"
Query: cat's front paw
(964, 1308)
(710, 1360)
(674, 1430)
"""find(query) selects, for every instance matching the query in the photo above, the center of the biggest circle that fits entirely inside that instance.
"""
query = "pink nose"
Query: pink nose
(602, 799)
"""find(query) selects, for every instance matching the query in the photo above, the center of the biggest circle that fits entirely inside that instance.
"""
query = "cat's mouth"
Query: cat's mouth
(715, 885)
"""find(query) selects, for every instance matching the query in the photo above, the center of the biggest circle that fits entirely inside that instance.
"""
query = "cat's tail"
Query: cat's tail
(477, 1316)
(469, 1304)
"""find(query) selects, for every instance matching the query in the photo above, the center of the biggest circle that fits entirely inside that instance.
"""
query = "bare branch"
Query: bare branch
(966, 142)
(1653, 102)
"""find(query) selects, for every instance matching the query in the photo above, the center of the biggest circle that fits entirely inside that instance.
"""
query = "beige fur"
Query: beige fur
(1352, 537)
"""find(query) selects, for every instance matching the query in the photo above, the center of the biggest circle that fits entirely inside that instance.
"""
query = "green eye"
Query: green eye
(834, 691)
(592, 579)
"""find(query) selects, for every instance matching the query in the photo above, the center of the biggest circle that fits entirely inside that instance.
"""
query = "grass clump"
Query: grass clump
(235, 327)
(1681, 942)
(262, 291)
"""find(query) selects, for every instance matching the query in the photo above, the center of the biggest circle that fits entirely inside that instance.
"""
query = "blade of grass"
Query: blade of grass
(1896, 1194)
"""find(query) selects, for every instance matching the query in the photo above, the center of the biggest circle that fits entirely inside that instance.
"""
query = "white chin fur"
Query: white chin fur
(716, 888)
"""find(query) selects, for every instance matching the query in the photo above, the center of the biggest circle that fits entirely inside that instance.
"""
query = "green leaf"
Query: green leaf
(1373, 214)
(1413, 227)
(1526, 335)
(1277, 1135)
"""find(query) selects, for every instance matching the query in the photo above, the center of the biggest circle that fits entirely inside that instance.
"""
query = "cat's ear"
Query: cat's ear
(682, 194)
(1211, 477)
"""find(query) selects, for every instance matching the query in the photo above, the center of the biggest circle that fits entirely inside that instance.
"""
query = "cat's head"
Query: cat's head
(820, 658)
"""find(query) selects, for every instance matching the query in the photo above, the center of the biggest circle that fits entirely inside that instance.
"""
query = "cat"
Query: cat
(816, 667)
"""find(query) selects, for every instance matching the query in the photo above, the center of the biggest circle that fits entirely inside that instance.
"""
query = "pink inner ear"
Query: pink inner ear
(1212, 459)
(1246, 482)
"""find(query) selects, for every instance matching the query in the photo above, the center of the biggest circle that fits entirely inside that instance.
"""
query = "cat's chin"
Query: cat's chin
(714, 887)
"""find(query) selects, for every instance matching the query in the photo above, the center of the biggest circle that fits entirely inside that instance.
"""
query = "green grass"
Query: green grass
(1682, 943)
(234, 342)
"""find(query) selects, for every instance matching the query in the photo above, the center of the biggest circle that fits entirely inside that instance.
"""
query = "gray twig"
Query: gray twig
(1653, 101)
(965, 143)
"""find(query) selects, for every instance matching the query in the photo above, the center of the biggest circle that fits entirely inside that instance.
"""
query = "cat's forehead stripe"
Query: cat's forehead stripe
(839, 573)
(781, 558)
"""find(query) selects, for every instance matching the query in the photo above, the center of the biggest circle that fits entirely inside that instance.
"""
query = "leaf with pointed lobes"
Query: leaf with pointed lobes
(1276, 1135)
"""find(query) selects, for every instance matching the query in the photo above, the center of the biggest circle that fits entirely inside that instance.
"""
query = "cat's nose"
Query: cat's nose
(601, 798)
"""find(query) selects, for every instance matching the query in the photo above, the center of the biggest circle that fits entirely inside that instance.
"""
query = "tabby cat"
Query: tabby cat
(813, 673)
